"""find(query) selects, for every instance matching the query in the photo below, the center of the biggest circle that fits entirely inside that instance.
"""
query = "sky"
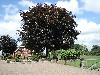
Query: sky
(87, 17)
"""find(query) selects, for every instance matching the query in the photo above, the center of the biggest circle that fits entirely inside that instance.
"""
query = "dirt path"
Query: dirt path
(40, 68)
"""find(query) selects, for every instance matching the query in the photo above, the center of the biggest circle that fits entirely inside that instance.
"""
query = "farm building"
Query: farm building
(22, 52)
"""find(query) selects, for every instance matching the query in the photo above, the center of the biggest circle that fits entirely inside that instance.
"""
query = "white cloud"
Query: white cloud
(15, 17)
(88, 37)
(11, 21)
(90, 33)
(91, 5)
(11, 13)
(10, 9)
(27, 3)
(88, 26)
(89, 40)
(72, 5)
(9, 28)
(48, 3)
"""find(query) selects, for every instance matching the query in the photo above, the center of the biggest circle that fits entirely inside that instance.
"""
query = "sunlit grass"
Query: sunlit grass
(88, 62)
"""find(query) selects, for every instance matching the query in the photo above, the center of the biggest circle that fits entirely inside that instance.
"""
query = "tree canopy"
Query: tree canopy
(48, 26)
(82, 48)
(7, 44)
(95, 50)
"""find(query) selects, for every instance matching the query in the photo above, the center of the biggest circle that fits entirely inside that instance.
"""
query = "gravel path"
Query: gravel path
(42, 68)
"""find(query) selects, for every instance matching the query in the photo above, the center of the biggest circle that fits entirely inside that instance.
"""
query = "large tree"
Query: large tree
(8, 44)
(95, 50)
(82, 48)
(48, 26)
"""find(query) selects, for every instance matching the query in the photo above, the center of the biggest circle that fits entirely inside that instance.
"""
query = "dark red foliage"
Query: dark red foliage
(8, 45)
(48, 26)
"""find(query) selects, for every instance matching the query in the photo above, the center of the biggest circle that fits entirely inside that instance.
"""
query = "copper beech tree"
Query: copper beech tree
(48, 26)
(7, 44)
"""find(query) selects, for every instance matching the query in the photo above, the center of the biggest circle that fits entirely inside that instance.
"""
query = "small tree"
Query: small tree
(64, 55)
(8, 44)
(69, 54)
(82, 48)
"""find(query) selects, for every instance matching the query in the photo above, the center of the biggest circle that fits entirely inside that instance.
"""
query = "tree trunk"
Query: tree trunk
(46, 52)
(65, 61)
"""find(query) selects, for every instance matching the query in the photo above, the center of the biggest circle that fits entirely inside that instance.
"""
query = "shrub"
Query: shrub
(35, 57)
(4, 58)
(10, 57)
(8, 61)
(50, 56)
(17, 59)
(69, 54)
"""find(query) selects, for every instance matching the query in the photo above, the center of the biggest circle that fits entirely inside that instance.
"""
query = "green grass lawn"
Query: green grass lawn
(88, 62)
(91, 61)
(90, 57)
(74, 63)
(71, 63)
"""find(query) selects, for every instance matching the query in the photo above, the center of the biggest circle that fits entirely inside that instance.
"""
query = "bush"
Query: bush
(8, 61)
(69, 54)
(35, 57)
(4, 58)
(81, 59)
(10, 57)
(16, 59)
(50, 56)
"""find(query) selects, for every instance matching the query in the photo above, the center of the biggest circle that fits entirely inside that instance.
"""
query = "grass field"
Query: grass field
(89, 62)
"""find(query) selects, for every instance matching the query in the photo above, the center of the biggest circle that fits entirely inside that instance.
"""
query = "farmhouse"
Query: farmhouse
(23, 53)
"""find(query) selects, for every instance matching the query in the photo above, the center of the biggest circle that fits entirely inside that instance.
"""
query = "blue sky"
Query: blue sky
(86, 11)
